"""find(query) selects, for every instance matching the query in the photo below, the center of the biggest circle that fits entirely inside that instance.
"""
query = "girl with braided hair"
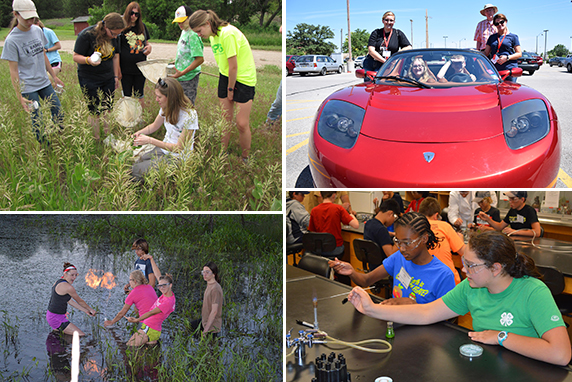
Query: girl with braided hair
(418, 276)
(510, 306)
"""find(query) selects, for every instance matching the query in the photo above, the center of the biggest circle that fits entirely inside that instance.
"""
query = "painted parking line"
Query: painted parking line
(297, 134)
(299, 145)
(298, 119)
(565, 178)
(303, 108)
(302, 101)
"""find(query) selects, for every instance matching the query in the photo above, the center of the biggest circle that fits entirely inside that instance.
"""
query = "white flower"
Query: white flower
(506, 319)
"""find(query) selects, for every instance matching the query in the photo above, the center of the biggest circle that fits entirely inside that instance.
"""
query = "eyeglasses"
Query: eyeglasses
(163, 285)
(418, 66)
(134, 13)
(470, 267)
(513, 198)
(114, 35)
(162, 83)
(206, 272)
(500, 22)
(407, 244)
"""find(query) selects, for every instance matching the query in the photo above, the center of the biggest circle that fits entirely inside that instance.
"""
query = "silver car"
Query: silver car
(316, 64)
(358, 63)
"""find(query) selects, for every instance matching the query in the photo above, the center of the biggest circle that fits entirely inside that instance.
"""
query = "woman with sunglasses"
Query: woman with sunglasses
(142, 295)
(63, 293)
(509, 305)
(180, 120)
(211, 317)
(418, 276)
(237, 72)
(99, 75)
(134, 48)
(503, 47)
(384, 42)
(152, 321)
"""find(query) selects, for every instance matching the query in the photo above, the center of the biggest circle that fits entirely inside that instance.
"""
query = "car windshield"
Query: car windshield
(305, 59)
(438, 68)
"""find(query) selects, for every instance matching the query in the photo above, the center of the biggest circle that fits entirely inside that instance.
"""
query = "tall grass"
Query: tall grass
(76, 173)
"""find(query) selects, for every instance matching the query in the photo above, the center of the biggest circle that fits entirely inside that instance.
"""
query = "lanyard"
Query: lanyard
(500, 43)
(386, 41)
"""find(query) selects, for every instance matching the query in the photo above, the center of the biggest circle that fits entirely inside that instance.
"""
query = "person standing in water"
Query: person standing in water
(62, 294)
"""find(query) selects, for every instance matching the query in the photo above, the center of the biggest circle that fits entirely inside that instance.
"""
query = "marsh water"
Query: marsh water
(32, 255)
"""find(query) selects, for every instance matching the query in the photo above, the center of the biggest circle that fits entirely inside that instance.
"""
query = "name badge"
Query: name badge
(403, 277)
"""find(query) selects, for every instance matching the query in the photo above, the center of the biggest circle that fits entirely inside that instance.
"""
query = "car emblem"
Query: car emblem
(429, 156)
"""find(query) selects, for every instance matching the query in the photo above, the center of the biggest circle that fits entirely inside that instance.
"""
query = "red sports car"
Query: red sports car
(435, 117)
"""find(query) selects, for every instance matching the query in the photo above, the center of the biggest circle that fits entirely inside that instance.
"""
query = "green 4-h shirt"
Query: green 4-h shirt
(525, 308)
(231, 42)
(189, 47)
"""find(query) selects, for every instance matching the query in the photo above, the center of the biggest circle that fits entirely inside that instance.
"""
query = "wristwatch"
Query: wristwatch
(230, 89)
(502, 337)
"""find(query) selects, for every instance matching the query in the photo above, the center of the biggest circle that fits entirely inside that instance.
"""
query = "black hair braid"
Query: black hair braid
(420, 224)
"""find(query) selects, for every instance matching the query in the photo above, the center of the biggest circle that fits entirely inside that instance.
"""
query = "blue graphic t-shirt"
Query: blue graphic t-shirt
(423, 283)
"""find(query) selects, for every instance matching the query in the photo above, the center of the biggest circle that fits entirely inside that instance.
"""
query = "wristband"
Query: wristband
(230, 89)
(86, 61)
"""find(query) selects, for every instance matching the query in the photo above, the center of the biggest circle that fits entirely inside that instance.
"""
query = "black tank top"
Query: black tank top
(58, 304)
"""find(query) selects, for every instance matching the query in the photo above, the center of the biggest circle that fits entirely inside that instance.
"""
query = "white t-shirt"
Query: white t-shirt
(187, 120)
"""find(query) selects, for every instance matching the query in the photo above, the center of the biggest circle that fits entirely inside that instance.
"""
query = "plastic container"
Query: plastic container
(171, 69)
(95, 57)
(59, 89)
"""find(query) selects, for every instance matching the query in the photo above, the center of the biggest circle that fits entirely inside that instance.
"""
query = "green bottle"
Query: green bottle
(389, 333)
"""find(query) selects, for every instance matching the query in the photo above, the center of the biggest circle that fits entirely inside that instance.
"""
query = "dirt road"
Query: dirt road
(160, 50)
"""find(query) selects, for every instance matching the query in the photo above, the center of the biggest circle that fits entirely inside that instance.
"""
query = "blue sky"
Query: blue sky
(526, 18)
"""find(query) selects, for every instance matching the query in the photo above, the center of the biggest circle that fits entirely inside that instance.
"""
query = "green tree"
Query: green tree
(310, 39)
(76, 8)
(558, 51)
(360, 38)
(5, 13)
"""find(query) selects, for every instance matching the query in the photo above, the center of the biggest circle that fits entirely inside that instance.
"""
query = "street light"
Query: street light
(460, 42)
(537, 41)
(445, 37)
(411, 31)
(545, 41)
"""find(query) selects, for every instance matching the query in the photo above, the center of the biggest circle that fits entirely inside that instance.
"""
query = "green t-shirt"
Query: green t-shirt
(189, 47)
(526, 307)
(231, 42)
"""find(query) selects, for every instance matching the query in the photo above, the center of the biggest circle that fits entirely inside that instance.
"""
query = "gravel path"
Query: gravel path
(161, 50)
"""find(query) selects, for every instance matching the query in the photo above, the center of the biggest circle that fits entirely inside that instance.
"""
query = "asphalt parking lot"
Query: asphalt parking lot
(305, 94)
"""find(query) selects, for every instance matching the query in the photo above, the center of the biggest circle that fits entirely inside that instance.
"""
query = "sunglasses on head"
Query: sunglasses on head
(162, 83)
(134, 13)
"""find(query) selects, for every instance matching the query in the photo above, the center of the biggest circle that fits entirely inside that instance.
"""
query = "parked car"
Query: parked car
(558, 61)
(290, 64)
(528, 62)
(568, 63)
(395, 131)
(358, 63)
(539, 59)
(317, 64)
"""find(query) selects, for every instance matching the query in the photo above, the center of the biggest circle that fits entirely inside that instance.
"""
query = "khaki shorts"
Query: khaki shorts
(151, 333)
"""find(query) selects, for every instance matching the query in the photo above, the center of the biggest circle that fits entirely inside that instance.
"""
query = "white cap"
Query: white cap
(26, 8)
(182, 13)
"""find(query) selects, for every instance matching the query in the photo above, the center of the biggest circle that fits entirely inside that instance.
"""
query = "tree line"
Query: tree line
(311, 39)
(157, 14)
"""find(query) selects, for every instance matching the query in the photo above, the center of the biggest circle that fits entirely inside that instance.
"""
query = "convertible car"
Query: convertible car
(435, 117)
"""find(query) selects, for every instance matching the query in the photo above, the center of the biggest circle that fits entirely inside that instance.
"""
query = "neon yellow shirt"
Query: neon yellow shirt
(230, 42)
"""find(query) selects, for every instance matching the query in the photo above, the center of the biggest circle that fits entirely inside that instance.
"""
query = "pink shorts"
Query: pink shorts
(57, 321)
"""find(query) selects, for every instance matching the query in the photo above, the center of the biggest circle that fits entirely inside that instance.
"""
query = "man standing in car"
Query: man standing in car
(485, 28)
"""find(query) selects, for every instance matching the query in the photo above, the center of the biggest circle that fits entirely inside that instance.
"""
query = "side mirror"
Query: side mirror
(360, 73)
(514, 72)
(370, 74)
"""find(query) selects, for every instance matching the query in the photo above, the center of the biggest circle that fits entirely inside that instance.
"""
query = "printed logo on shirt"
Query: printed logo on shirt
(555, 318)
(135, 42)
(517, 219)
(506, 319)
(217, 49)
(33, 48)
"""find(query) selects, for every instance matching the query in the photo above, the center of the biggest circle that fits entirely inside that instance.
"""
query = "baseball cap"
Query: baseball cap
(26, 8)
(516, 194)
(480, 195)
(182, 13)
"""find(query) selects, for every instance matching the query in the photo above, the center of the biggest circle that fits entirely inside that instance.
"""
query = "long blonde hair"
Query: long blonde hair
(425, 76)
(112, 21)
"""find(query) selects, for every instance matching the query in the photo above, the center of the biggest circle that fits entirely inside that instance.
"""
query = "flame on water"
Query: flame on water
(106, 280)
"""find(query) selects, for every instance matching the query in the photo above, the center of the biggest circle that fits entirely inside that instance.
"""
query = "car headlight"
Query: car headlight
(340, 123)
(525, 123)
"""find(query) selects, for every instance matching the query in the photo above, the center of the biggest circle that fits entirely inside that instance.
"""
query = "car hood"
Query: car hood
(409, 114)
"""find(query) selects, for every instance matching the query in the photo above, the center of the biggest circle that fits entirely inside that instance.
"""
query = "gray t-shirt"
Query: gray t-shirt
(27, 49)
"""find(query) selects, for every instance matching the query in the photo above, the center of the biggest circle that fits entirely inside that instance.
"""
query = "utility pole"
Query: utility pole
(426, 30)
(445, 37)
(545, 41)
(411, 31)
(349, 35)
(342, 42)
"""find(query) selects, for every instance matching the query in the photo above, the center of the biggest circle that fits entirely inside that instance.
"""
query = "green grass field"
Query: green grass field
(75, 172)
